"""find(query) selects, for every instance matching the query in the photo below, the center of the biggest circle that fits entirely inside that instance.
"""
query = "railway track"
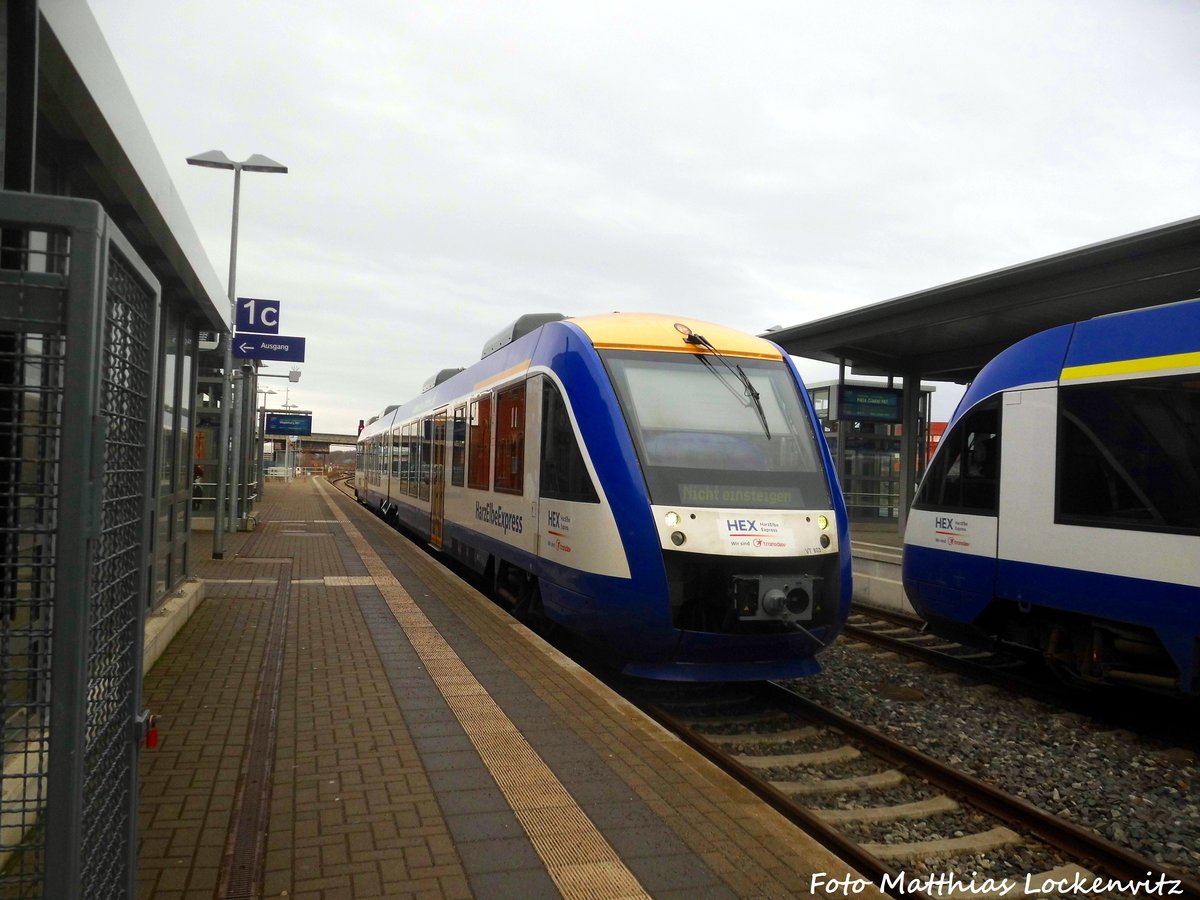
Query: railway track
(900, 817)
(905, 635)
(1163, 717)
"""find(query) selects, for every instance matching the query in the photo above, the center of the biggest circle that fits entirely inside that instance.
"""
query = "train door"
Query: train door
(437, 479)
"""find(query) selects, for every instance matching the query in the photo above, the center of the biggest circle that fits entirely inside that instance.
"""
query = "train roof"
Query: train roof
(607, 331)
(516, 330)
(1156, 341)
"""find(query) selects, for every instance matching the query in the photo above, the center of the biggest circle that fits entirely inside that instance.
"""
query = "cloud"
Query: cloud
(454, 165)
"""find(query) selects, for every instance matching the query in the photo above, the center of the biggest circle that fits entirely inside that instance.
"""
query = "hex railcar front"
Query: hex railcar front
(656, 485)
(1062, 509)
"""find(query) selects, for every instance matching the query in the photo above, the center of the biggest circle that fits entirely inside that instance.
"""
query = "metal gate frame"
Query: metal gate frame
(73, 290)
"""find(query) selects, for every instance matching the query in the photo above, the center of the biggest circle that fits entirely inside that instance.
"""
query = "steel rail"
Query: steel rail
(895, 616)
(1000, 677)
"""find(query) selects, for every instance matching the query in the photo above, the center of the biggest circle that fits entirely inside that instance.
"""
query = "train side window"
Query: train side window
(510, 440)
(458, 458)
(563, 475)
(1129, 454)
(406, 459)
(410, 458)
(425, 465)
(479, 445)
(965, 475)
(395, 442)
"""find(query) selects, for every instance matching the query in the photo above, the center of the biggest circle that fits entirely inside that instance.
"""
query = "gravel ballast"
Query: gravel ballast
(1134, 791)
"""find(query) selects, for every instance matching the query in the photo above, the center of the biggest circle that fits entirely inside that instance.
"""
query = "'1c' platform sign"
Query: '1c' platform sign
(257, 316)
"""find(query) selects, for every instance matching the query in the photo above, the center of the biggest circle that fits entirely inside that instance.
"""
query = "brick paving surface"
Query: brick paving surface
(376, 790)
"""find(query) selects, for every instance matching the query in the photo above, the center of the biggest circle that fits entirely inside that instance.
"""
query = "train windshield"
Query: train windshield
(704, 439)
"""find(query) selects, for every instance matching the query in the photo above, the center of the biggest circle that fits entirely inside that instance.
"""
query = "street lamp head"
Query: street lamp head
(259, 163)
(215, 159)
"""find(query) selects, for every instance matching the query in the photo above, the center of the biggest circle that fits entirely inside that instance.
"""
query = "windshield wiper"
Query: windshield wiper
(690, 337)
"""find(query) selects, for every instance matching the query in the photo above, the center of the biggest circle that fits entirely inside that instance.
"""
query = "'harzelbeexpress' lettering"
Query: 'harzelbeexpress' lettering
(492, 514)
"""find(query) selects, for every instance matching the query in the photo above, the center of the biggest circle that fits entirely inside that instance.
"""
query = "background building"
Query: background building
(862, 425)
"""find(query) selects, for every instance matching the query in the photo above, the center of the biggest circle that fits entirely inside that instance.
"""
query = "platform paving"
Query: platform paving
(408, 739)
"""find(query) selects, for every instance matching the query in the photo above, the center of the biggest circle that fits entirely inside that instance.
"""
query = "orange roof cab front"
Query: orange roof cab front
(650, 331)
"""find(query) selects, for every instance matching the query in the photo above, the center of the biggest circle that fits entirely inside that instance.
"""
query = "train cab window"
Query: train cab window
(510, 440)
(563, 475)
(1129, 454)
(458, 456)
(965, 474)
(479, 445)
(702, 440)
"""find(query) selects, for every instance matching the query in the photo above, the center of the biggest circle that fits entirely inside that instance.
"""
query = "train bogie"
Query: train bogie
(663, 494)
(1062, 510)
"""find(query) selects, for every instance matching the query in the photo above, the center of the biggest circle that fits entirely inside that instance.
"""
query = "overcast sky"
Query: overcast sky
(456, 164)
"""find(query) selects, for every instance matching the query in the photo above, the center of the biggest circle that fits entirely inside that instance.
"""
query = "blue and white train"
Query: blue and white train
(657, 485)
(1061, 511)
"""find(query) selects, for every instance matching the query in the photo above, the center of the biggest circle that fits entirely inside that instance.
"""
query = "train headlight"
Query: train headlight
(677, 538)
(825, 541)
(672, 519)
(822, 522)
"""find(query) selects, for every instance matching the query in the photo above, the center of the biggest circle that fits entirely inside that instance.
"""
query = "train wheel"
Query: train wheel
(1066, 656)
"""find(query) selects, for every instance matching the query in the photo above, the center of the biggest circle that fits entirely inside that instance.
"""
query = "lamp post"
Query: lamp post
(288, 455)
(262, 436)
(292, 376)
(215, 159)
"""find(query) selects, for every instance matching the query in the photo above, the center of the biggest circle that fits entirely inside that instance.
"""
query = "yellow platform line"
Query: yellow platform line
(577, 856)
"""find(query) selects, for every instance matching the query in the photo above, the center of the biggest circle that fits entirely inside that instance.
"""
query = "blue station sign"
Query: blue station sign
(870, 404)
(288, 424)
(268, 346)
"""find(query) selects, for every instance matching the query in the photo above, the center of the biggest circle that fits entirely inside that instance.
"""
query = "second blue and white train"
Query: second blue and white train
(1061, 512)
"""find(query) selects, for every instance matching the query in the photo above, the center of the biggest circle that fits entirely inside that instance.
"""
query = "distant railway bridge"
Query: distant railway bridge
(316, 444)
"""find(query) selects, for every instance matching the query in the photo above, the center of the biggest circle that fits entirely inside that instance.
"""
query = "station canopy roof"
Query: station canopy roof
(949, 333)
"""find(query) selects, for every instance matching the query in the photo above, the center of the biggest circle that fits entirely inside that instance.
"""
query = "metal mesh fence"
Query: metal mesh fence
(33, 296)
(77, 357)
(125, 391)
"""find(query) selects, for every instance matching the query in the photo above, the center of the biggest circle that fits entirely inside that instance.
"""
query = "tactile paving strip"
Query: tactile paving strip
(577, 857)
